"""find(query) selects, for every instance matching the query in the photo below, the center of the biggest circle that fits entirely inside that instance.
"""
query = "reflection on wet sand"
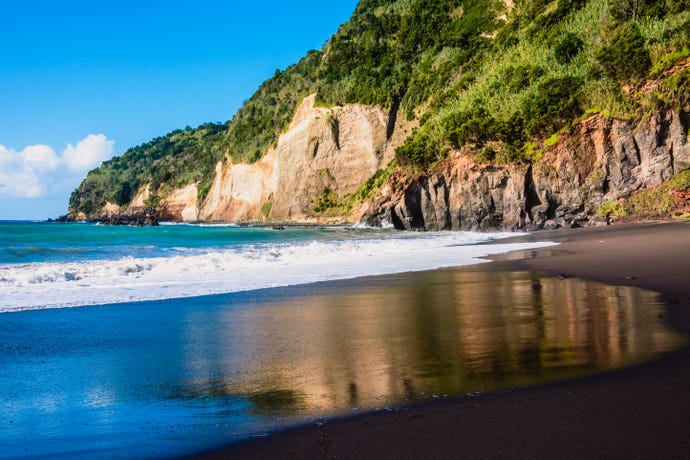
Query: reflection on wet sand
(449, 333)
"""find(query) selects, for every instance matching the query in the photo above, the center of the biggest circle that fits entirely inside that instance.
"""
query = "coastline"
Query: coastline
(636, 412)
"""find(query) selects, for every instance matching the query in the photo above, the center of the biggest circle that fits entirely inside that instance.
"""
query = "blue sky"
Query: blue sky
(81, 81)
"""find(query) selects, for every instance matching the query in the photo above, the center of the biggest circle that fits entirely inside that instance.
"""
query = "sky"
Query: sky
(82, 81)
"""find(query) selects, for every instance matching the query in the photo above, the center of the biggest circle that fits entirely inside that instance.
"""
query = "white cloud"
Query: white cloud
(37, 171)
(89, 152)
(40, 158)
(20, 172)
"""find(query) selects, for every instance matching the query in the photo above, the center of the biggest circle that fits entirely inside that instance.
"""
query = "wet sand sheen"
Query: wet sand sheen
(441, 333)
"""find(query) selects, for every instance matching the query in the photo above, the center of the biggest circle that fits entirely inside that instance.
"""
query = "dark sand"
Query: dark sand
(637, 412)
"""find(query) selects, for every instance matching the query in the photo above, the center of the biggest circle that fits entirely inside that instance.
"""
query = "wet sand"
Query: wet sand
(636, 412)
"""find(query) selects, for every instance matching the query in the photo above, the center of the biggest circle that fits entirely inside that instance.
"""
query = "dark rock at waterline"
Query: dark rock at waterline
(142, 218)
(135, 220)
(150, 217)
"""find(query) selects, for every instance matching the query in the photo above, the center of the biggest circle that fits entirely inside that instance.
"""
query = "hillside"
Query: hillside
(408, 89)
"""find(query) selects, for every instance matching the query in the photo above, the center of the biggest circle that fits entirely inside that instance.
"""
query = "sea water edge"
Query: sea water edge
(86, 264)
(160, 378)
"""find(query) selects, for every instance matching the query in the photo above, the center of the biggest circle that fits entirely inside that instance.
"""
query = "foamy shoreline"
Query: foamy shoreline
(238, 269)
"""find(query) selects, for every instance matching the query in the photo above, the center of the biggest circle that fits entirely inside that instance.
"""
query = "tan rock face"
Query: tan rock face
(140, 198)
(110, 208)
(183, 202)
(239, 191)
(335, 148)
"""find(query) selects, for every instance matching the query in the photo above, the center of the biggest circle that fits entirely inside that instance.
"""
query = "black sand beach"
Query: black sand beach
(636, 412)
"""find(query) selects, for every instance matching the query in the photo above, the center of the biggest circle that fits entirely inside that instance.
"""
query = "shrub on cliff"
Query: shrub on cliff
(626, 56)
(633, 10)
(420, 151)
(567, 47)
(478, 127)
(552, 105)
(474, 126)
(518, 77)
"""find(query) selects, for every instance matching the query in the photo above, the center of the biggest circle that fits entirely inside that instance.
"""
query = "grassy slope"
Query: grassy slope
(478, 77)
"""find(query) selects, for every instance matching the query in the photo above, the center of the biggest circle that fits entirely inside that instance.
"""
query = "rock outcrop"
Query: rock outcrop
(596, 161)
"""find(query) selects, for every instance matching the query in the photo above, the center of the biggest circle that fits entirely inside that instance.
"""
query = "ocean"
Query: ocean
(55, 265)
(127, 342)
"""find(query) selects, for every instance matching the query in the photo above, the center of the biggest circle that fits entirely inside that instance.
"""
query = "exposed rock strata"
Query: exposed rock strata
(598, 160)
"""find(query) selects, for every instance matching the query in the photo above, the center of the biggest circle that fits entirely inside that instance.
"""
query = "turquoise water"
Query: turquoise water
(29, 242)
(186, 372)
(56, 265)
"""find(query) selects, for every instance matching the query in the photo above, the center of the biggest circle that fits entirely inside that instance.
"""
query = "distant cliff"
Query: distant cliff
(436, 114)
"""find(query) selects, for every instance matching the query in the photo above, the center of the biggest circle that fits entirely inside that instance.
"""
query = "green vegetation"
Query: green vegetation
(567, 48)
(392, 50)
(674, 91)
(611, 211)
(180, 158)
(479, 78)
(671, 199)
(329, 203)
(626, 55)
(375, 182)
(266, 208)
(553, 105)
(327, 200)
(421, 150)
(549, 63)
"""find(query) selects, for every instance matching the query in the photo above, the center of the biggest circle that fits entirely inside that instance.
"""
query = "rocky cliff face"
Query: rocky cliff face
(596, 161)
(337, 149)
(324, 149)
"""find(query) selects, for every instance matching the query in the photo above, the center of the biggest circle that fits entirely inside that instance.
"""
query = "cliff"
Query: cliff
(324, 150)
(436, 114)
(596, 161)
(337, 149)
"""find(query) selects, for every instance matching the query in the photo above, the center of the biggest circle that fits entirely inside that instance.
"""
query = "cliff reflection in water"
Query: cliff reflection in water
(449, 333)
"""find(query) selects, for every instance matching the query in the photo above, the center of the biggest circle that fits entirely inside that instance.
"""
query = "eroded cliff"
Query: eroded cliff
(335, 150)
(595, 161)
(324, 150)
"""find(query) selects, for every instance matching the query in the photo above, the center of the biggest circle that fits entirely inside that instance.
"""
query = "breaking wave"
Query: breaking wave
(195, 272)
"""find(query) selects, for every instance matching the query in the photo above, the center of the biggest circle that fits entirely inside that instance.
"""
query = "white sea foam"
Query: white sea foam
(242, 268)
(189, 224)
